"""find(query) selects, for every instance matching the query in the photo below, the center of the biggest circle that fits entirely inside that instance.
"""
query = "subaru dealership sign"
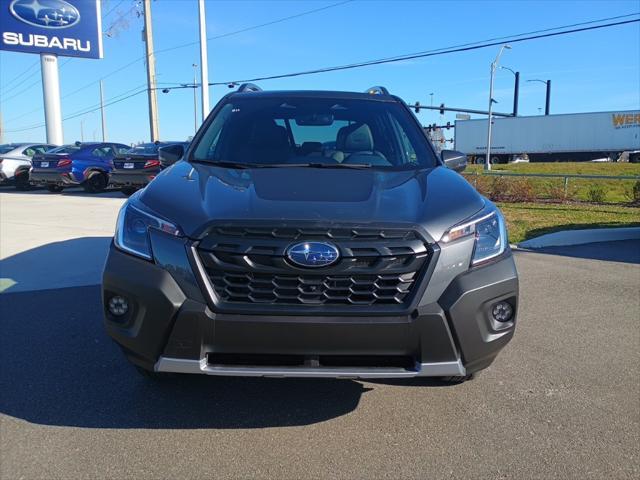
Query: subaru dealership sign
(70, 28)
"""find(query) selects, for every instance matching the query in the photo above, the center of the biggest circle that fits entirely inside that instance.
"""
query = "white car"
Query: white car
(15, 162)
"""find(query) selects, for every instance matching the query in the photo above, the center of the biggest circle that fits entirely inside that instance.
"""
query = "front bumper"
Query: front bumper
(170, 327)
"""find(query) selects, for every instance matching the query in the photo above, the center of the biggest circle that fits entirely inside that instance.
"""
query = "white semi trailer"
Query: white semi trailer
(551, 138)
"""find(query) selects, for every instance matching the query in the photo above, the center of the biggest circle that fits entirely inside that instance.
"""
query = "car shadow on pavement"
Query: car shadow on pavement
(77, 261)
(67, 192)
(623, 251)
(60, 368)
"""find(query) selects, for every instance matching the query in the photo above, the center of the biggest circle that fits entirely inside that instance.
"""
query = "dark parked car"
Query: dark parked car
(87, 164)
(135, 168)
(311, 234)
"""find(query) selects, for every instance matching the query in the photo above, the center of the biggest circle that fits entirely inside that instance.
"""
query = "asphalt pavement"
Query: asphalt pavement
(561, 401)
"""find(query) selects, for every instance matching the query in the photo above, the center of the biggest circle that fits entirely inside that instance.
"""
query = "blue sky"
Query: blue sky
(590, 71)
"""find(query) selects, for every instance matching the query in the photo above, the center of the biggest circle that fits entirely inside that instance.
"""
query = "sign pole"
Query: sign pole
(51, 95)
(204, 64)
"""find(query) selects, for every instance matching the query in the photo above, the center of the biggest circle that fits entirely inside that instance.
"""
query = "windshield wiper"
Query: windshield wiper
(323, 165)
(225, 164)
(244, 166)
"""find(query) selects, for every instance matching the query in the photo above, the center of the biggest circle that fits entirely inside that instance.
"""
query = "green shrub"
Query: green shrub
(632, 192)
(498, 189)
(596, 194)
(521, 190)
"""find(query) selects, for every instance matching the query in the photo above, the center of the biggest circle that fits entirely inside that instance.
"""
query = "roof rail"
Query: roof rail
(249, 87)
(377, 90)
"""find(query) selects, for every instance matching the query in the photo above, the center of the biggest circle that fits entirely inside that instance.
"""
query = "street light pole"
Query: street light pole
(494, 65)
(547, 106)
(516, 89)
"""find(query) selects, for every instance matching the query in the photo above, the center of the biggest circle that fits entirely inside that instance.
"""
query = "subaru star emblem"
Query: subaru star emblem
(45, 13)
(313, 254)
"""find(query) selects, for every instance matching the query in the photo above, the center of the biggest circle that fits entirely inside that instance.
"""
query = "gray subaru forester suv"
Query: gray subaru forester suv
(311, 234)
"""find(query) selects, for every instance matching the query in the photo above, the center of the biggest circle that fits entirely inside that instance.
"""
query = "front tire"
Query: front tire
(54, 188)
(96, 182)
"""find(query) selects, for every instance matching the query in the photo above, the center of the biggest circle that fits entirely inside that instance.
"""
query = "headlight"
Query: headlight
(132, 230)
(490, 233)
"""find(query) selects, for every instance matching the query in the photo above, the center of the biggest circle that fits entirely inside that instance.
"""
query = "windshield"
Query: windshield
(65, 149)
(358, 133)
(7, 147)
(145, 149)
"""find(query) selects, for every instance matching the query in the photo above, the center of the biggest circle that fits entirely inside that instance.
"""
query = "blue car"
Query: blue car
(79, 164)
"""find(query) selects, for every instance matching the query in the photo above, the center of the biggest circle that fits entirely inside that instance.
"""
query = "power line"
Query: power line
(108, 32)
(228, 34)
(442, 51)
(26, 70)
(112, 9)
(79, 114)
(254, 27)
(425, 54)
(31, 85)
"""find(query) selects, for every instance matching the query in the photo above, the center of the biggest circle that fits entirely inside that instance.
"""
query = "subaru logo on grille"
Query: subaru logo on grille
(45, 13)
(313, 254)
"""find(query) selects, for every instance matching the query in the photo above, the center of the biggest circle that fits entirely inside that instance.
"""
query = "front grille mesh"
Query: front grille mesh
(248, 265)
(313, 289)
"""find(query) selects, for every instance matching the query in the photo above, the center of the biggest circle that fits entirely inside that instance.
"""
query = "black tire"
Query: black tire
(22, 180)
(54, 188)
(128, 191)
(96, 182)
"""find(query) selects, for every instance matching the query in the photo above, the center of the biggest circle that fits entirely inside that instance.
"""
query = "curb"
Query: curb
(580, 237)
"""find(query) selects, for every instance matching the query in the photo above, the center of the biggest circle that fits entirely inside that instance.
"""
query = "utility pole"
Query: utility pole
(494, 66)
(82, 129)
(151, 73)
(51, 94)
(204, 65)
(104, 121)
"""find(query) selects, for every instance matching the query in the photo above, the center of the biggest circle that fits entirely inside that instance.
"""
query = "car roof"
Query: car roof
(315, 94)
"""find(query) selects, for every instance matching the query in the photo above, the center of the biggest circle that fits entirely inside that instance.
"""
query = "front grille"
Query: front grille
(248, 265)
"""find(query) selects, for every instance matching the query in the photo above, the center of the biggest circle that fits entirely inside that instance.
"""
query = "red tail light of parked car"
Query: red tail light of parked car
(151, 164)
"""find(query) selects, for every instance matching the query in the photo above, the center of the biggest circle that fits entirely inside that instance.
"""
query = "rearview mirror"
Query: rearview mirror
(456, 161)
(170, 154)
(315, 119)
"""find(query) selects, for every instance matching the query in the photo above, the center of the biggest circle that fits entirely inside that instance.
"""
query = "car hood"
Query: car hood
(195, 196)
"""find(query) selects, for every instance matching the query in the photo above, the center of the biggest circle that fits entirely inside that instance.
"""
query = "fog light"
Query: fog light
(118, 306)
(502, 312)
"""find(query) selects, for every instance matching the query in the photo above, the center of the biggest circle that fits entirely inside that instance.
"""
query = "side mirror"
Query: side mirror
(456, 161)
(170, 154)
